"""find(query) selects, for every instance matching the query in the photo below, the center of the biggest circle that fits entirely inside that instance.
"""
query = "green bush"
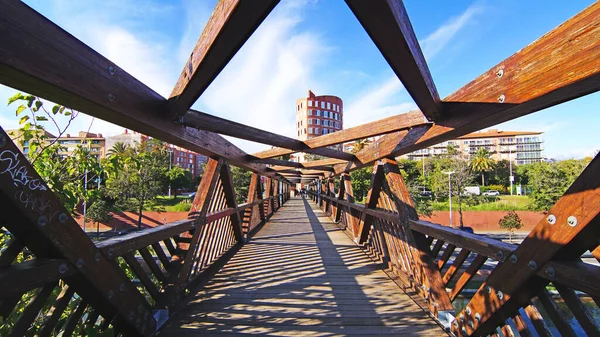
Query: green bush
(500, 188)
(180, 207)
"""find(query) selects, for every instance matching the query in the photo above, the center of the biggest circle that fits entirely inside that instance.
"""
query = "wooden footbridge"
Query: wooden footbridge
(276, 265)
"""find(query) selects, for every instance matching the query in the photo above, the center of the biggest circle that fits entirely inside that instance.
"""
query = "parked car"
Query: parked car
(491, 193)
(426, 194)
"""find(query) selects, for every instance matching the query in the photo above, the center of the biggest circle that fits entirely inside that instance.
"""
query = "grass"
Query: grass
(500, 203)
(172, 204)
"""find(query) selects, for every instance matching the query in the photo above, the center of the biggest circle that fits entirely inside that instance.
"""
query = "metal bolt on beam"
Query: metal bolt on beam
(42, 220)
(62, 218)
(112, 70)
(500, 295)
(572, 221)
(500, 73)
(551, 219)
(532, 265)
(501, 98)
(63, 268)
(514, 258)
(500, 255)
(111, 98)
(79, 263)
(478, 317)
(550, 272)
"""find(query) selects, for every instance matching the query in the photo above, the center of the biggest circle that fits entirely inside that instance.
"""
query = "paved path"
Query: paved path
(301, 276)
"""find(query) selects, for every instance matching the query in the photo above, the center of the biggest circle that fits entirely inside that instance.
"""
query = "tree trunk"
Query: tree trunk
(482, 180)
(460, 215)
(140, 216)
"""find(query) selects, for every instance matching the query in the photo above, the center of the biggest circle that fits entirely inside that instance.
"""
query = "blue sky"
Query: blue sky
(319, 45)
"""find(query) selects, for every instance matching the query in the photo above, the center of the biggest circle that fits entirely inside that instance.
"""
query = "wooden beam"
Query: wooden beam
(558, 67)
(371, 129)
(388, 25)
(229, 27)
(229, 191)
(40, 58)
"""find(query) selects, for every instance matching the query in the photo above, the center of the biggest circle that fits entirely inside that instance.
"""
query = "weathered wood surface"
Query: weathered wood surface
(301, 276)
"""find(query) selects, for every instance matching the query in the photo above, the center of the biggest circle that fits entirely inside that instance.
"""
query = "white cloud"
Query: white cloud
(377, 103)
(440, 38)
(385, 99)
(273, 69)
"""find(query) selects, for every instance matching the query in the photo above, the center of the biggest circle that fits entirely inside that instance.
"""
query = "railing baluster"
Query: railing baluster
(30, 313)
(557, 318)
(54, 314)
(142, 276)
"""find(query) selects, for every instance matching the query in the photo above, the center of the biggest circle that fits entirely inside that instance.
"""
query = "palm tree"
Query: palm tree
(359, 145)
(117, 149)
(482, 162)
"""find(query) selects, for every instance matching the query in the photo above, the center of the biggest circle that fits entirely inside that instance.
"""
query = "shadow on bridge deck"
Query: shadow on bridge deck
(301, 276)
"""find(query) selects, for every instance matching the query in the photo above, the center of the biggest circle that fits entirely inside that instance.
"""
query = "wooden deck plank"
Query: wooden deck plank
(301, 276)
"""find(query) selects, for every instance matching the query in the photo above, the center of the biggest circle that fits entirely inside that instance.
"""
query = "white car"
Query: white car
(491, 193)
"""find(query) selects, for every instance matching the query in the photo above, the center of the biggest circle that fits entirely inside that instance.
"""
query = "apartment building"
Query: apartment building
(520, 147)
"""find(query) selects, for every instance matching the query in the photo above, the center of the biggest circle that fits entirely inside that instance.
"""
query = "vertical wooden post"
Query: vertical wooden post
(351, 219)
(372, 198)
(341, 196)
(231, 202)
(332, 207)
(269, 194)
(439, 301)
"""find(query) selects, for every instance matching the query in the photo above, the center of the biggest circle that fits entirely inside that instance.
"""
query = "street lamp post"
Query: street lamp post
(511, 177)
(450, 194)
(170, 160)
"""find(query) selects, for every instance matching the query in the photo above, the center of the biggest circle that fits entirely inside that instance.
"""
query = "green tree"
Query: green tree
(99, 212)
(179, 179)
(65, 175)
(361, 182)
(359, 145)
(118, 148)
(549, 181)
(510, 222)
(461, 178)
(137, 177)
(241, 183)
(481, 163)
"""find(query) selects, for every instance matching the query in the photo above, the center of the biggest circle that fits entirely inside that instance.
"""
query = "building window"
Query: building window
(324, 131)
(309, 103)
(319, 113)
(298, 132)
(337, 125)
(328, 105)
(310, 130)
(318, 121)
(317, 131)
(322, 105)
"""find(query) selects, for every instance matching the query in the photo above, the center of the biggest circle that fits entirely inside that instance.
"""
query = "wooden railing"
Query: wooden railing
(468, 280)
(54, 280)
